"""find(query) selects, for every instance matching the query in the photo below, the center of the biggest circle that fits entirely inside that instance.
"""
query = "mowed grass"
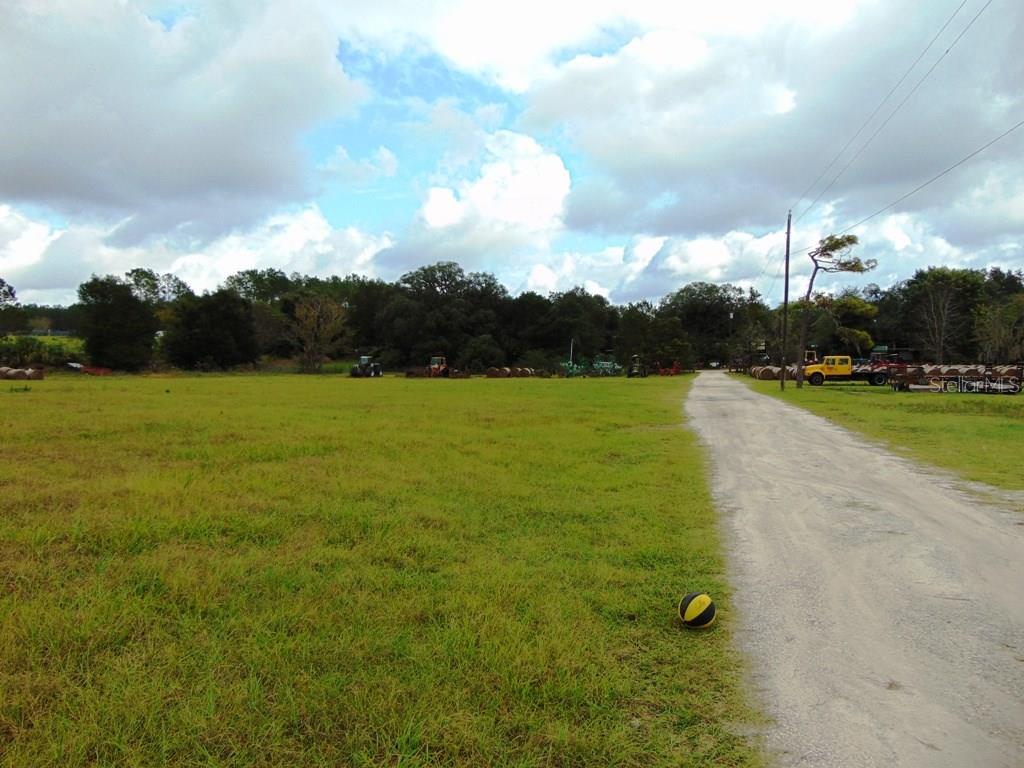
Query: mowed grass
(979, 437)
(319, 571)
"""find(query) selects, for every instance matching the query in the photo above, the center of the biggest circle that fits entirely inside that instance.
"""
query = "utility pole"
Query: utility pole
(785, 305)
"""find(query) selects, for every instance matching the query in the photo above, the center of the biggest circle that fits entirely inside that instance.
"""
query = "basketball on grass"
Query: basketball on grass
(697, 610)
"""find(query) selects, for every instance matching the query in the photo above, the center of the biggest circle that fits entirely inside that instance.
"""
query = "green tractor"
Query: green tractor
(636, 370)
(366, 368)
(574, 369)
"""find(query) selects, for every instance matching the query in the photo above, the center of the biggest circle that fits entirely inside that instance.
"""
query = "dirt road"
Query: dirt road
(882, 606)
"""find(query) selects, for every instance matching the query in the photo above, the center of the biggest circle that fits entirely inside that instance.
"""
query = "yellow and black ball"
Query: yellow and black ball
(697, 610)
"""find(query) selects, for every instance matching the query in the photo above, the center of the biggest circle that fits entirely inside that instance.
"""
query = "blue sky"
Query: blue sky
(626, 147)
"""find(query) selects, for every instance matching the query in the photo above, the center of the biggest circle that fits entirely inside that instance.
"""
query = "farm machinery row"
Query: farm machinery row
(957, 379)
(636, 369)
(440, 368)
(903, 376)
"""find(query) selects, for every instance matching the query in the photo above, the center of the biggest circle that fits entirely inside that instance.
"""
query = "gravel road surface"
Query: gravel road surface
(881, 603)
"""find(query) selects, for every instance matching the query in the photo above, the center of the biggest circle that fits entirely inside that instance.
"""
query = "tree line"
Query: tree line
(142, 318)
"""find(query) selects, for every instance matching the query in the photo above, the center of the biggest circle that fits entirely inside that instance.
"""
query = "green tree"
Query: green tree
(999, 330)
(211, 331)
(586, 318)
(7, 294)
(525, 323)
(156, 290)
(845, 320)
(266, 285)
(317, 329)
(118, 327)
(717, 319)
(634, 335)
(12, 317)
(480, 353)
(831, 256)
(942, 303)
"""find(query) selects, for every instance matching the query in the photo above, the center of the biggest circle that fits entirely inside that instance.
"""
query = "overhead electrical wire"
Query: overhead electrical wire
(930, 181)
(895, 111)
(879, 107)
(778, 274)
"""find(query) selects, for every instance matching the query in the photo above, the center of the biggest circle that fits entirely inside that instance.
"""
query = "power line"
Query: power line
(767, 262)
(893, 113)
(778, 274)
(930, 181)
(880, 105)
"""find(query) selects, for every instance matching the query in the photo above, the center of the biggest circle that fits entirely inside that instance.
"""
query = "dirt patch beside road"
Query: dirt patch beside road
(881, 604)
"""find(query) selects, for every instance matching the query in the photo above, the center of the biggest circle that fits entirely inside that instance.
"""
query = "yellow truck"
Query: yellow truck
(841, 368)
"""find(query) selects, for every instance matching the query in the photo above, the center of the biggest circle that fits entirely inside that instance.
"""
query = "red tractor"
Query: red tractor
(438, 367)
(675, 370)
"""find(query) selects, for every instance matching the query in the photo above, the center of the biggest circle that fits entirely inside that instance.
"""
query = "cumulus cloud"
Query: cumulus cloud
(381, 164)
(513, 205)
(515, 45)
(693, 140)
(46, 264)
(185, 136)
(194, 127)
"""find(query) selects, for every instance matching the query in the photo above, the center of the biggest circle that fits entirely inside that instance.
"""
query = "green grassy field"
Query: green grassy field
(980, 437)
(320, 571)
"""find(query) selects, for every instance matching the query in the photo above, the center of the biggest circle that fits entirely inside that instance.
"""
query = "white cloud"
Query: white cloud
(21, 239)
(542, 279)
(518, 44)
(381, 164)
(48, 264)
(195, 128)
(511, 208)
(521, 187)
(688, 128)
(441, 209)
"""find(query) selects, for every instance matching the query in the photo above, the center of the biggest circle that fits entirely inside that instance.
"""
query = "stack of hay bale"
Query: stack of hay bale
(766, 372)
(21, 374)
(513, 373)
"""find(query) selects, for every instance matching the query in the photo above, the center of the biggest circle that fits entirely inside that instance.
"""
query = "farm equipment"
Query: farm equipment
(841, 368)
(957, 379)
(438, 369)
(596, 368)
(637, 370)
(675, 370)
(572, 370)
(605, 368)
(366, 368)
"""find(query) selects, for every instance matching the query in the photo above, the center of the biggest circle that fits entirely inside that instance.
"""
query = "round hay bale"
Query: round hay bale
(952, 370)
(972, 372)
(35, 374)
(755, 370)
(3, 371)
(491, 373)
(505, 372)
(17, 374)
(769, 373)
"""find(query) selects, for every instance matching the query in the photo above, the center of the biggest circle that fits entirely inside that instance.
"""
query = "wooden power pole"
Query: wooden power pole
(785, 306)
